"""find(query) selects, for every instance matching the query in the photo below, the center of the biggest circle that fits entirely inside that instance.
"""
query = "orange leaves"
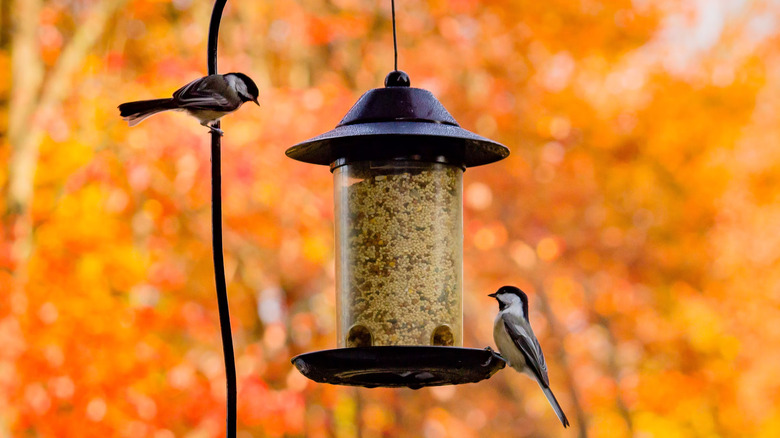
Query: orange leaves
(548, 249)
(489, 236)
(275, 412)
(655, 389)
(332, 29)
(638, 207)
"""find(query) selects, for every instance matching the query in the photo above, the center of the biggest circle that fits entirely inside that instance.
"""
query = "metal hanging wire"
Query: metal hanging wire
(395, 38)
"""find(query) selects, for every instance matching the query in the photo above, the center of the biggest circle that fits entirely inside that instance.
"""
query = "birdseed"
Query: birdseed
(400, 240)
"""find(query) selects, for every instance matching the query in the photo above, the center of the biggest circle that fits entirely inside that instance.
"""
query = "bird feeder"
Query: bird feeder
(397, 160)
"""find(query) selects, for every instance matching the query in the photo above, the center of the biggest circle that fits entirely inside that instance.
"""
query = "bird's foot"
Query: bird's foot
(495, 353)
(217, 130)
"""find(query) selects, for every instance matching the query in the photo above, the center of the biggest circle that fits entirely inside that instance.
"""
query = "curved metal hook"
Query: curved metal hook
(216, 17)
(216, 233)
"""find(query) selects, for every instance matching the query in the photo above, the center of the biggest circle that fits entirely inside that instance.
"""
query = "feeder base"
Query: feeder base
(399, 366)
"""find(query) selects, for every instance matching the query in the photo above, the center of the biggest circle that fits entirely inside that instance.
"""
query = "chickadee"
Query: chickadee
(517, 342)
(208, 99)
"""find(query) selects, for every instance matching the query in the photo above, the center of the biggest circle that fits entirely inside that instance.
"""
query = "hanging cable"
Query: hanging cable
(396, 78)
(216, 235)
(395, 38)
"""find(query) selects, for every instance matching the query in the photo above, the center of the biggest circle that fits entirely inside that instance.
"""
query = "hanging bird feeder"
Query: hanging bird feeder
(397, 160)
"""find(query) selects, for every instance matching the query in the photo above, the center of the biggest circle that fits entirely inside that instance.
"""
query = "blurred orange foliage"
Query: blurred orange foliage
(640, 209)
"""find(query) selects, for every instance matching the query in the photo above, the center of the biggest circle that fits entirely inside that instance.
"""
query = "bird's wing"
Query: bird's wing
(205, 94)
(524, 339)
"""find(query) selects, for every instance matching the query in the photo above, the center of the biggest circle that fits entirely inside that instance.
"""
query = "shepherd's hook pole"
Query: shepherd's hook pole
(216, 233)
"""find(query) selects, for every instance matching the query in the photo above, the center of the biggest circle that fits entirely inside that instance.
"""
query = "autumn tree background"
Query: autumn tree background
(640, 209)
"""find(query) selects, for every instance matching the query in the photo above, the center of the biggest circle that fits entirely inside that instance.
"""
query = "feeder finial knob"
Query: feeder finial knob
(397, 78)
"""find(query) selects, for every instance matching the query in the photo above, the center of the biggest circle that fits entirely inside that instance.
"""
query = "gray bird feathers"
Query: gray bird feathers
(208, 99)
(517, 343)
(135, 112)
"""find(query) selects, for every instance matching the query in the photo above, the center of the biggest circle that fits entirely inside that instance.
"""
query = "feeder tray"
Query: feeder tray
(399, 366)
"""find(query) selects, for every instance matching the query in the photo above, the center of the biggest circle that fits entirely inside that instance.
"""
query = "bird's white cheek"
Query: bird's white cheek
(516, 311)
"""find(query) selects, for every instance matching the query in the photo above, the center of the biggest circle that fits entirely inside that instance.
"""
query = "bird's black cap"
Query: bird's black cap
(511, 290)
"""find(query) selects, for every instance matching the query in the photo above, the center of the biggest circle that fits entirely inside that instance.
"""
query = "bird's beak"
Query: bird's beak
(255, 101)
(493, 295)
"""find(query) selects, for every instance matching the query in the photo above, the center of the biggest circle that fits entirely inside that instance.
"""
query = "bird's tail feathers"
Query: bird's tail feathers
(556, 407)
(135, 112)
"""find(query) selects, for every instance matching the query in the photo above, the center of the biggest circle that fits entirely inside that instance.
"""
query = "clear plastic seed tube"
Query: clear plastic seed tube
(399, 253)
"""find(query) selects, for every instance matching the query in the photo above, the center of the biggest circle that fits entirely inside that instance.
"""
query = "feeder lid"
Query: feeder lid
(399, 366)
(398, 121)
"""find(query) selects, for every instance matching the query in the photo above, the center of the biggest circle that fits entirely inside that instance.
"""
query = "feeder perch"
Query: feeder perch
(397, 160)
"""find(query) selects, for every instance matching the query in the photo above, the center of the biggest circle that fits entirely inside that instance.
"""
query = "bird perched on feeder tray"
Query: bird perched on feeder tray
(518, 344)
(208, 99)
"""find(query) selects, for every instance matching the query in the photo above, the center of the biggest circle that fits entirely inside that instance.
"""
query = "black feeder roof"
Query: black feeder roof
(399, 122)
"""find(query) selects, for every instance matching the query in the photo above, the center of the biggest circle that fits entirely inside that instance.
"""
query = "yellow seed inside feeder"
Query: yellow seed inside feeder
(399, 253)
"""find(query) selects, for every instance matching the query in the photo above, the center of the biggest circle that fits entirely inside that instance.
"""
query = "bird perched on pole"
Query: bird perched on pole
(518, 344)
(207, 99)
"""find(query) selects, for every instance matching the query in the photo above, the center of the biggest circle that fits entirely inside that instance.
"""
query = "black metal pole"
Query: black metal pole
(216, 232)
